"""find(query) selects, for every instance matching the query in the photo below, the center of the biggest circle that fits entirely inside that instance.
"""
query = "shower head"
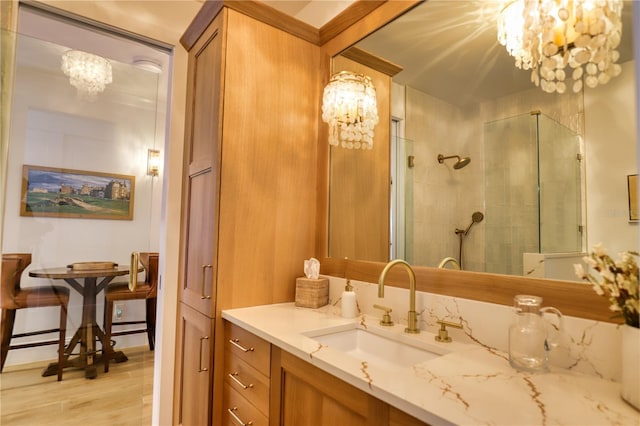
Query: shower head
(459, 164)
(476, 217)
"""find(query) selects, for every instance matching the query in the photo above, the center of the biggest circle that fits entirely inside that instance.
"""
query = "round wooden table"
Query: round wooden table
(93, 282)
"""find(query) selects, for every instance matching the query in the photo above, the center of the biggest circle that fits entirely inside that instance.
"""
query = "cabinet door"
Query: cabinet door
(201, 181)
(400, 418)
(315, 398)
(194, 386)
(239, 411)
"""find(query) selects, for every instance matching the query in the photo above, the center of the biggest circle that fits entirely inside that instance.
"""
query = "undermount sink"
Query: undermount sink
(374, 348)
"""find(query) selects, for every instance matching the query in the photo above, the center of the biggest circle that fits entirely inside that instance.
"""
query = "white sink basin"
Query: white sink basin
(376, 349)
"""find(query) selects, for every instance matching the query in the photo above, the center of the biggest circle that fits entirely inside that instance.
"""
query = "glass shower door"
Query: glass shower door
(533, 190)
(511, 197)
(560, 188)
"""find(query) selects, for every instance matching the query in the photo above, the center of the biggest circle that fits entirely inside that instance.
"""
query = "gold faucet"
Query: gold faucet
(449, 260)
(412, 318)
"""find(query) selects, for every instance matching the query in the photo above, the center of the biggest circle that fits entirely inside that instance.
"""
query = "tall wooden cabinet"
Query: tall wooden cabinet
(201, 187)
(249, 200)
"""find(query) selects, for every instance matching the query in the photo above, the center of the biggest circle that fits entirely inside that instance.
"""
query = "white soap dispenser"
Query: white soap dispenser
(349, 304)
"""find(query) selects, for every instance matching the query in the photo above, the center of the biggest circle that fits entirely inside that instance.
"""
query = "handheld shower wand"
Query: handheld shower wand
(476, 217)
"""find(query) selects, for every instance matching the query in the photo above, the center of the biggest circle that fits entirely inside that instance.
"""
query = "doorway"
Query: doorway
(56, 125)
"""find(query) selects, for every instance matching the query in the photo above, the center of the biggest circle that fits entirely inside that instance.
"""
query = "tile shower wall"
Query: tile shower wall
(444, 199)
(586, 346)
(567, 109)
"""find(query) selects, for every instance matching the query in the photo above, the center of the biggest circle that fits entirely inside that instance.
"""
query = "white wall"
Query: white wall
(611, 155)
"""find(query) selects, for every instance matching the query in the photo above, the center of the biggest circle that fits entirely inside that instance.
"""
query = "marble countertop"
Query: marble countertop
(464, 384)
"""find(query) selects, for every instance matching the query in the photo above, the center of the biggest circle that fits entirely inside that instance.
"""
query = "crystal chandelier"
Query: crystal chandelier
(349, 106)
(88, 73)
(547, 35)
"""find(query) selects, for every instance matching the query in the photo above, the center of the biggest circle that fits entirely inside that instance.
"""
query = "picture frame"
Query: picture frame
(632, 188)
(80, 194)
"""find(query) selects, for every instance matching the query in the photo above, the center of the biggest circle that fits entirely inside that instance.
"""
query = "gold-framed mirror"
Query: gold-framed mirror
(589, 104)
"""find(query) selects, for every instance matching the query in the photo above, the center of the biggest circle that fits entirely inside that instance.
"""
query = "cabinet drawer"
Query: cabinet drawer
(249, 382)
(238, 411)
(248, 347)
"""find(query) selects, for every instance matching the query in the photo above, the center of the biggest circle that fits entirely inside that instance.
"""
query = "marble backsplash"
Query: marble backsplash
(586, 346)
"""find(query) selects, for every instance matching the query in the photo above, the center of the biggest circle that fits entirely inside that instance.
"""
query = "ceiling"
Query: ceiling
(447, 48)
(313, 12)
(44, 39)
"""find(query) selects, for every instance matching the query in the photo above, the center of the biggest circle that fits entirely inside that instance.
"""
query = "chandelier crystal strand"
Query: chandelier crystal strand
(349, 106)
(563, 42)
(88, 73)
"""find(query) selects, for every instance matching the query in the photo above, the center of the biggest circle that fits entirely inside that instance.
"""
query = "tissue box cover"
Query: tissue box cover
(312, 293)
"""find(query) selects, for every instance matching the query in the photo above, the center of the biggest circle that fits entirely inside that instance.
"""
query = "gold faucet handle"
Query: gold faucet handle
(443, 334)
(386, 318)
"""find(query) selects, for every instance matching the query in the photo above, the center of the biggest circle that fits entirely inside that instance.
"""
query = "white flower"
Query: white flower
(607, 275)
(617, 280)
(590, 261)
(599, 250)
(623, 282)
(598, 289)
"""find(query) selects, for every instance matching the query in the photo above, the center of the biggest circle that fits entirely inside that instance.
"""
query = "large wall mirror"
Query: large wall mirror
(534, 178)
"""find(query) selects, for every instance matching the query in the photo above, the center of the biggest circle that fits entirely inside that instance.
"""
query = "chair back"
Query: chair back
(149, 262)
(13, 264)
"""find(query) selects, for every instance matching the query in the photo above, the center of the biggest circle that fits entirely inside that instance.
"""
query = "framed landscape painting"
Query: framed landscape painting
(55, 192)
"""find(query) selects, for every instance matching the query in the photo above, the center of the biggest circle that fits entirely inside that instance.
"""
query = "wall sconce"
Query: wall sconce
(349, 106)
(153, 162)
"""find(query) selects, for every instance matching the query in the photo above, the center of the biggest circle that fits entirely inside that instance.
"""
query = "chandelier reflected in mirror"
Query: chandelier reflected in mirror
(563, 42)
(349, 106)
(87, 72)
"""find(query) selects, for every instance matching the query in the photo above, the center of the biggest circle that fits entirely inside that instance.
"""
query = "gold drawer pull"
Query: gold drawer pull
(232, 411)
(200, 369)
(235, 343)
(204, 273)
(234, 377)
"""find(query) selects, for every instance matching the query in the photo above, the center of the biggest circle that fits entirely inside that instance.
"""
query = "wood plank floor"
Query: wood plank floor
(120, 397)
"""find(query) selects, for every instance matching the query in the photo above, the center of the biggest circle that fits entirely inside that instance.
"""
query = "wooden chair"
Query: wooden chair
(13, 297)
(122, 291)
